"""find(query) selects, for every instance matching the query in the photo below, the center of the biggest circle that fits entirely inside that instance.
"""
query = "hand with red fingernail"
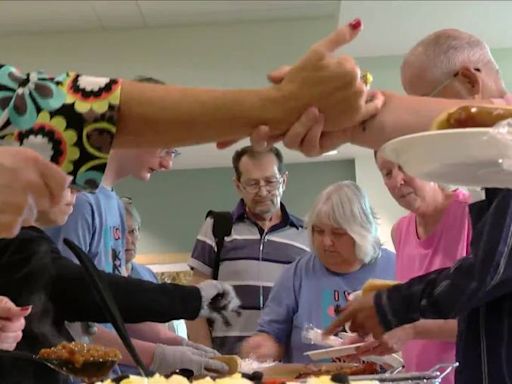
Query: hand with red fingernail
(355, 24)
(12, 322)
(342, 101)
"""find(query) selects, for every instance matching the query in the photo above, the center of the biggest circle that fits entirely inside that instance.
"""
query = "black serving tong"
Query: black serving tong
(107, 302)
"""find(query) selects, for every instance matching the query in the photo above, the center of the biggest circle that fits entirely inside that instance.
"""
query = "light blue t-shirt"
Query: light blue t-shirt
(97, 226)
(308, 293)
(140, 271)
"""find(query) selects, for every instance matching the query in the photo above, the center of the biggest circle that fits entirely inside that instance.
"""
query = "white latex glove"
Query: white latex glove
(170, 358)
(217, 299)
(209, 352)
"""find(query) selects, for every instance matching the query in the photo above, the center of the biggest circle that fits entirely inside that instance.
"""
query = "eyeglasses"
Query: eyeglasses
(270, 184)
(446, 82)
(169, 152)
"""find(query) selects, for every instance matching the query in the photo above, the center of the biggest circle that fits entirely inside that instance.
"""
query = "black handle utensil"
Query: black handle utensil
(107, 302)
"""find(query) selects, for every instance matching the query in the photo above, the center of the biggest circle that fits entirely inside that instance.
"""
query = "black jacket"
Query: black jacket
(33, 272)
(477, 290)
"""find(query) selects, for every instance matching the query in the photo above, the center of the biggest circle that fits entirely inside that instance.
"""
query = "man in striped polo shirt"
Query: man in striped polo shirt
(264, 239)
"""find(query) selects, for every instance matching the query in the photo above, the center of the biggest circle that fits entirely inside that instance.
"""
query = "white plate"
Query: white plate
(473, 157)
(328, 353)
(388, 361)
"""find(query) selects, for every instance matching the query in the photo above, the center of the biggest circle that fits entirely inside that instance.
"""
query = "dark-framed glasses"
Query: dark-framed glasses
(270, 184)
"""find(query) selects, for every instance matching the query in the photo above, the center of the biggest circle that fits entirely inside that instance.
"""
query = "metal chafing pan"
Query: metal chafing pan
(434, 376)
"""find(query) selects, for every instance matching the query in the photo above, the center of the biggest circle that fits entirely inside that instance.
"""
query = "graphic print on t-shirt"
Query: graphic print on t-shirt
(113, 247)
(333, 302)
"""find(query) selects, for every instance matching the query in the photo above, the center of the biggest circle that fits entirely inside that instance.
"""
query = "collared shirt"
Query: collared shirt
(251, 260)
(477, 290)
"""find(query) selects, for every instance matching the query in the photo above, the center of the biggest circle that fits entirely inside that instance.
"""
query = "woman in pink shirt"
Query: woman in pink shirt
(435, 234)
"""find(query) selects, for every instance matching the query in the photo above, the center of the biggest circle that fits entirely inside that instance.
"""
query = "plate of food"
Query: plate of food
(328, 353)
(291, 372)
(469, 146)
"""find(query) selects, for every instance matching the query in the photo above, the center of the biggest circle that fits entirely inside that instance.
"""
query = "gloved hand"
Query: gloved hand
(217, 298)
(209, 352)
(170, 358)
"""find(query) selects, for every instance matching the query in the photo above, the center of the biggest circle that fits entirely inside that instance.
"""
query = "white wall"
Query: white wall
(221, 55)
(368, 177)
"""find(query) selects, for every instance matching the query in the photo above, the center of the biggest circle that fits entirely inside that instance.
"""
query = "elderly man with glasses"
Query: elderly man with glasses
(477, 289)
(436, 233)
(265, 238)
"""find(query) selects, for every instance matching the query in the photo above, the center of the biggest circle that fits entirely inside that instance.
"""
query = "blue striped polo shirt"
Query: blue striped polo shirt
(251, 260)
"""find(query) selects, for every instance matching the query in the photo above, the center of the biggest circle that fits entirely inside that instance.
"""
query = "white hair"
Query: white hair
(441, 54)
(345, 205)
(130, 209)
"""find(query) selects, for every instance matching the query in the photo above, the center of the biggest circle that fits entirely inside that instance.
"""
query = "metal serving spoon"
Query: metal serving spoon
(90, 371)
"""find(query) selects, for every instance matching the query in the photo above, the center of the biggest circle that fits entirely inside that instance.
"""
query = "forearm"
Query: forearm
(138, 300)
(179, 116)
(109, 338)
(445, 330)
(199, 332)
(154, 333)
(404, 115)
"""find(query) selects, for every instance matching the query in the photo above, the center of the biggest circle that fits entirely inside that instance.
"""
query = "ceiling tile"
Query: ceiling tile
(118, 14)
(159, 13)
(40, 16)
(393, 27)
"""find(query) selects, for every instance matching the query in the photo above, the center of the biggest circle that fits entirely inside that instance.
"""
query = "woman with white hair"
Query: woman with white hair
(312, 290)
(141, 271)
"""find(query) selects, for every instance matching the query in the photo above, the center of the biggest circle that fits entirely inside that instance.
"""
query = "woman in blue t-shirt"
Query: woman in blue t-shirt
(312, 290)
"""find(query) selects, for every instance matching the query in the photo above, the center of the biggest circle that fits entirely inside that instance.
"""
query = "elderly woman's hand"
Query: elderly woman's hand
(12, 322)
(261, 347)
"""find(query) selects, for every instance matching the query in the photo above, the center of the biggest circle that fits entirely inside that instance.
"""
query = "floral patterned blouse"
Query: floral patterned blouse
(69, 119)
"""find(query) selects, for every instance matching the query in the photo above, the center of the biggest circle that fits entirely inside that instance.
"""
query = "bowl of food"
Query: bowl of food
(89, 362)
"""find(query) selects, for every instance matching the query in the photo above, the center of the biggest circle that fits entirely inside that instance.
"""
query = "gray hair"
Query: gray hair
(345, 205)
(441, 54)
(130, 209)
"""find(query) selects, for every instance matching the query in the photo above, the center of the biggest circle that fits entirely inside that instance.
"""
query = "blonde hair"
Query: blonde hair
(345, 205)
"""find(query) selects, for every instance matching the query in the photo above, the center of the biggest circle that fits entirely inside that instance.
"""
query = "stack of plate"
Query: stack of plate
(473, 157)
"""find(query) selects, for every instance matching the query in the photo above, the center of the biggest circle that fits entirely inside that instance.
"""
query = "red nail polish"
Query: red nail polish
(355, 24)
